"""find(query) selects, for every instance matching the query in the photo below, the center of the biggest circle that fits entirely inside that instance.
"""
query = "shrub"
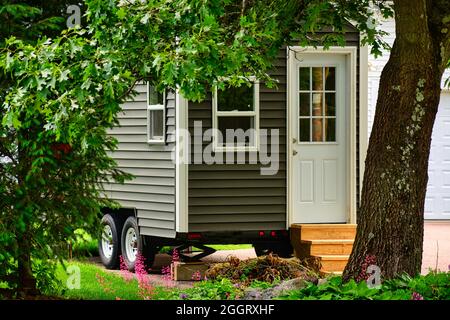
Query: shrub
(222, 289)
(433, 286)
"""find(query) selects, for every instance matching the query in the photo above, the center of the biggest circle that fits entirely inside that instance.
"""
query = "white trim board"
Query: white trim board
(181, 164)
(363, 112)
(351, 63)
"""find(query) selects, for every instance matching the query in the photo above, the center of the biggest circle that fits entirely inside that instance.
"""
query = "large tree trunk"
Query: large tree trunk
(390, 221)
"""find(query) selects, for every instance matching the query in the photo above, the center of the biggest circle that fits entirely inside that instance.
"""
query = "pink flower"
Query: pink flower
(175, 255)
(126, 275)
(146, 289)
(167, 275)
(416, 296)
(368, 260)
(196, 276)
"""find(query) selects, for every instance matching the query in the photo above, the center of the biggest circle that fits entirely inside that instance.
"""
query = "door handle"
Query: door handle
(294, 152)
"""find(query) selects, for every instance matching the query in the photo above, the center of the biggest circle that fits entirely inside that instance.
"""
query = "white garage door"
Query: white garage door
(437, 202)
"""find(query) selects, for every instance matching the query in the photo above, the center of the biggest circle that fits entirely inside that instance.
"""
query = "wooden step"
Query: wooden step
(332, 263)
(323, 231)
(327, 247)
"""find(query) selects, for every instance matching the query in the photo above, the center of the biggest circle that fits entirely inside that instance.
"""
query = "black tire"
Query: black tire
(145, 249)
(110, 260)
(260, 249)
(283, 250)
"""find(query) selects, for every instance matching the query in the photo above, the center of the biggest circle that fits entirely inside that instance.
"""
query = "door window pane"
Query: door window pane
(330, 104)
(304, 104)
(317, 130)
(305, 130)
(330, 130)
(317, 104)
(330, 78)
(304, 79)
(317, 78)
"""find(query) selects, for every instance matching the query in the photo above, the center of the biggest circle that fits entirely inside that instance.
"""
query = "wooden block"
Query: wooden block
(184, 271)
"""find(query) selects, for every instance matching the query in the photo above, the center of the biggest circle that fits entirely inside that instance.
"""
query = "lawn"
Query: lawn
(90, 288)
(230, 246)
(98, 284)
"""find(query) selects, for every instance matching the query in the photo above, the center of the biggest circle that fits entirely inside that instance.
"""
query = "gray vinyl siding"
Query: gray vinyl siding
(152, 191)
(236, 197)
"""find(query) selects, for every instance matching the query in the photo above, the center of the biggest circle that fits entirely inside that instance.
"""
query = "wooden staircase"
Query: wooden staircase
(329, 244)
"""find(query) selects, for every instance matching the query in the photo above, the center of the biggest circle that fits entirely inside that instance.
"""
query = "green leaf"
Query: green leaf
(121, 13)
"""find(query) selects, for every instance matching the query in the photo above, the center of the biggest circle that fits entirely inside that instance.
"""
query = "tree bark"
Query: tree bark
(27, 283)
(390, 220)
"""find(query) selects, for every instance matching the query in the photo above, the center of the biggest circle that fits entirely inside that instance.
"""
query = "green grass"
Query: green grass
(85, 249)
(118, 288)
(85, 246)
(217, 247)
(90, 288)
(230, 246)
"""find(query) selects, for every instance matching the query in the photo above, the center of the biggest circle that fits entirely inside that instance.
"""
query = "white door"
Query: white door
(319, 130)
(437, 201)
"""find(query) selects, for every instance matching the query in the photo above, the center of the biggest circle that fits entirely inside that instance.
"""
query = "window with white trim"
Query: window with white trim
(236, 117)
(317, 104)
(156, 115)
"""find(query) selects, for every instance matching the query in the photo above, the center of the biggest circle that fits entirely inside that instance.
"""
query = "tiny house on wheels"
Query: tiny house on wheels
(279, 168)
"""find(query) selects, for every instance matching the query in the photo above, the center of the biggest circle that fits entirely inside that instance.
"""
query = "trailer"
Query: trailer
(297, 162)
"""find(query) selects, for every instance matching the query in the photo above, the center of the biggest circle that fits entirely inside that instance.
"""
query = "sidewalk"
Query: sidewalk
(436, 246)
